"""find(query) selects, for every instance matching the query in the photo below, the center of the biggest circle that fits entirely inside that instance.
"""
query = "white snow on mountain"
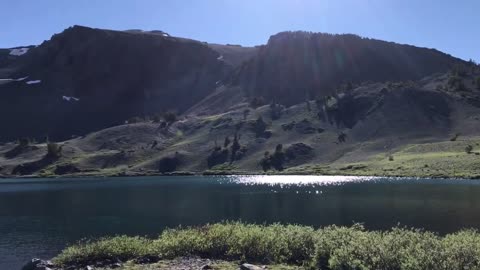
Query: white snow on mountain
(18, 51)
(70, 98)
(34, 82)
(3, 81)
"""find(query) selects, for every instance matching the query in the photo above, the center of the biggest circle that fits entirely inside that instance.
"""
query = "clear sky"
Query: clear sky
(447, 25)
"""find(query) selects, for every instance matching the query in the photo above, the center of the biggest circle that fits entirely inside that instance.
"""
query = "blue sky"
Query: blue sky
(447, 25)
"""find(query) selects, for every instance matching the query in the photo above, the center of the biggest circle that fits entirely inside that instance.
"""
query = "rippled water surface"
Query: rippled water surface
(39, 217)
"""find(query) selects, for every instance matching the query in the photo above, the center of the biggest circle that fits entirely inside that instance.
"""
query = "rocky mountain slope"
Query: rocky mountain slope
(86, 79)
(303, 103)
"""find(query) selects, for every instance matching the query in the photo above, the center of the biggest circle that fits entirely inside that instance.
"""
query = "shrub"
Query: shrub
(246, 112)
(135, 119)
(459, 70)
(259, 127)
(235, 147)
(276, 160)
(455, 137)
(23, 142)
(168, 164)
(320, 102)
(120, 247)
(275, 110)
(54, 150)
(341, 137)
(456, 83)
(257, 102)
(217, 156)
(332, 247)
(170, 117)
(226, 142)
(307, 103)
(468, 149)
(265, 161)
(156, 118)
(477, 82)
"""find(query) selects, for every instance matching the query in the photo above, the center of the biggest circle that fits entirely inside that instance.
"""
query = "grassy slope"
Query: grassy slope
(326, 248)
(436, 159)
(419, 144)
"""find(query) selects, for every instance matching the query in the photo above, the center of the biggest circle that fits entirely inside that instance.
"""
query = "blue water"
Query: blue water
(39, 217)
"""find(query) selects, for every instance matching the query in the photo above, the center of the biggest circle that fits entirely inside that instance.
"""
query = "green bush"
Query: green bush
(120, 247)
(333, 247)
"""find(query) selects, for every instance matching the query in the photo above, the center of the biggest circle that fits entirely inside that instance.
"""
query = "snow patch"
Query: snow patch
(220, 58)
(70, 98)
(165, 35)
(34, 82)
(18, 51)
(12, 80)
(5, 81)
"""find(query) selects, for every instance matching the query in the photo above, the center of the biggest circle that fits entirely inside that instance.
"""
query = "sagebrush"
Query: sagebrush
(331, 247)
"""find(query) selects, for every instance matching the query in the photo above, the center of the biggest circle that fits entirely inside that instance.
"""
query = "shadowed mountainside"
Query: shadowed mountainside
(112, 75)
(294, 66)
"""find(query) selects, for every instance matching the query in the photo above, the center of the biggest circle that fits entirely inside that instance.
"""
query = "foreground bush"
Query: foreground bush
(327, 248)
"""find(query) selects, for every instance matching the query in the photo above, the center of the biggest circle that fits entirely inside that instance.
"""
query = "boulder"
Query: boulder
(38, 264)
(247, 266)
(305, 127)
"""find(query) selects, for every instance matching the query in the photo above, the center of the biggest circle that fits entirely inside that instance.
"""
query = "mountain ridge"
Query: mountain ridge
(131, 102)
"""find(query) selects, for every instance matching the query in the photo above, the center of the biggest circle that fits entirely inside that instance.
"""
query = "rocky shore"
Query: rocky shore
(148, 263)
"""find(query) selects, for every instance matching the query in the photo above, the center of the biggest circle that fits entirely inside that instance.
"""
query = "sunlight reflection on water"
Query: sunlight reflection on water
(298, 180)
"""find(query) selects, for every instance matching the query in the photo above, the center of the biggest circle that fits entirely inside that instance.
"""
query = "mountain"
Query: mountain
(302, 103)
(294, 66)
(87, 79)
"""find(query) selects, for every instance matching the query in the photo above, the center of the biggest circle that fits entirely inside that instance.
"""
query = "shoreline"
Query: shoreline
(237, 173)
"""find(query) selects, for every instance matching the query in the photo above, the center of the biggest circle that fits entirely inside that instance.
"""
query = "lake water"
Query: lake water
(39, 217)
